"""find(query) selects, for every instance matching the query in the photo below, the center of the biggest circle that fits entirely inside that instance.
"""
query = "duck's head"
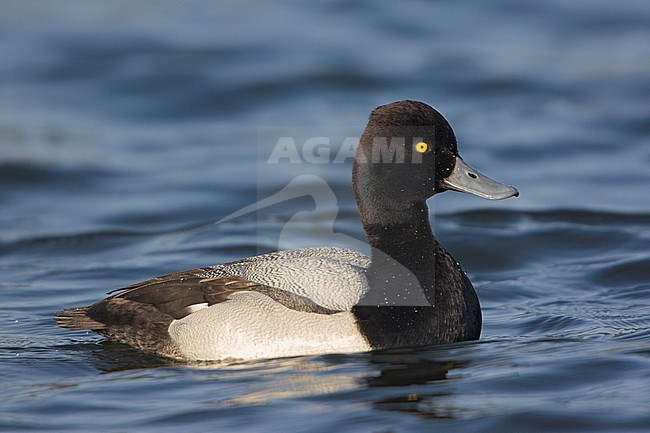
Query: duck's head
(407, 153)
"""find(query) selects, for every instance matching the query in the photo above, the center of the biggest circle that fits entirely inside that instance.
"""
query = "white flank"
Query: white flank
(251, 325)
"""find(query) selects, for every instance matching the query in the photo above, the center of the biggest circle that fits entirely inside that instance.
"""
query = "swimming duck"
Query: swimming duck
(409, 292)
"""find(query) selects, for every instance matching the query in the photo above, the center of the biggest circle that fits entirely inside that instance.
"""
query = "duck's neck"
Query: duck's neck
(402, 270)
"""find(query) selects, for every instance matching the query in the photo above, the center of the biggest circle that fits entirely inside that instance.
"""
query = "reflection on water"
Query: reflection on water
(291, 378)
(404, 381)
(406, 370)
(401, 370)
(109, 357)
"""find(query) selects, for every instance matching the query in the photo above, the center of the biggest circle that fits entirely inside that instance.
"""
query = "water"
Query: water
(128, 129)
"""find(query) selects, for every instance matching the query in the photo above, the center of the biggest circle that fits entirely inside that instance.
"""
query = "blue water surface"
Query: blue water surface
(128, 129)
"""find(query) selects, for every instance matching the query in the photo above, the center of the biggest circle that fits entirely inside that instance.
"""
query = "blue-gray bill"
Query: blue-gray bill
(465, 179)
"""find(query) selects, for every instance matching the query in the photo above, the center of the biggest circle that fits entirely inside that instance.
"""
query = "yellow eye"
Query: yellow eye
(421, 147)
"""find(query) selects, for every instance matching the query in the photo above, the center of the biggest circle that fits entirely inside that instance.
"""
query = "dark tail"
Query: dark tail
(76, 319)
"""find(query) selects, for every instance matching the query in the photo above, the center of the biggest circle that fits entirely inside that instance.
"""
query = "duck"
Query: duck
(408, 292)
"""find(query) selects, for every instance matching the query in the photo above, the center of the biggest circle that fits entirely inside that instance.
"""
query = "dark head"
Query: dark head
(408, 153)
